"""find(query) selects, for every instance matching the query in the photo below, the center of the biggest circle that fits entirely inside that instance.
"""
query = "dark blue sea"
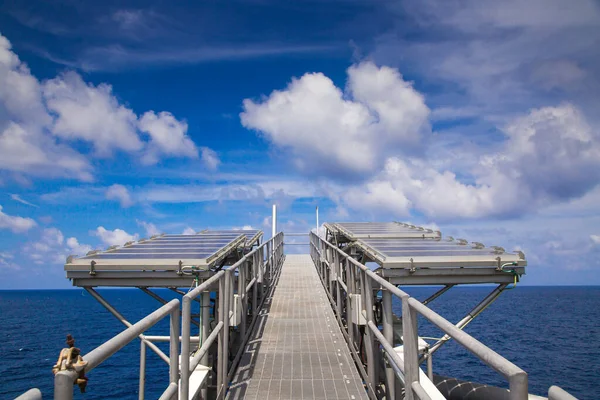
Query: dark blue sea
(553, 333)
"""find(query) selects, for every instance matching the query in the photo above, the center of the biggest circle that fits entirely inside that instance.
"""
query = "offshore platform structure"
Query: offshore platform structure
(318, 325)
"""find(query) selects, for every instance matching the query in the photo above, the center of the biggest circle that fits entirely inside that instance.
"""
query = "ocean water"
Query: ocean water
(553, 333)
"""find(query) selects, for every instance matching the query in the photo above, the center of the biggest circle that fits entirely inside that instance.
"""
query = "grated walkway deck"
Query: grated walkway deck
(297, 350)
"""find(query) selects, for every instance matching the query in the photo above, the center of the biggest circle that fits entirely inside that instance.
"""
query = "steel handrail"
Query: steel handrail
(516, 377)
(64, 380)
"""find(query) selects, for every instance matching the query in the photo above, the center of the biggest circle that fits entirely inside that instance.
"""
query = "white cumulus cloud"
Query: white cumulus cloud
(168, 136)
(114, 237)
(119, 193)
(210, 159)
(41, 121)
(149, 227)
(15, 223)
(336, 133)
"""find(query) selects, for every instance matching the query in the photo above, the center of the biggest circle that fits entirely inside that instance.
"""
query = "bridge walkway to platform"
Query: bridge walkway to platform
(297, 350)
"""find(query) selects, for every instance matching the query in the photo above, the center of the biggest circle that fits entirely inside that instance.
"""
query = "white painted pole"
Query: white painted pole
(274, 221)
(318, 222)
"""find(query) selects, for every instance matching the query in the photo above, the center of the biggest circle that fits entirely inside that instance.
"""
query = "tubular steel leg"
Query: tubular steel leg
(221, 313)
(490, 298)
(338, 292)
(185, 349)
(226, 308)
(411, 357)
(142, 388)
(372, 364)
(350, 303)
(255, 267)
(174, 347)
(205, 315)
(63, 385)
(388, 333)
(243, 297)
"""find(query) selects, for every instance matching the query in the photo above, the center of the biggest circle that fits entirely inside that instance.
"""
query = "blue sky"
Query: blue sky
(125, 119)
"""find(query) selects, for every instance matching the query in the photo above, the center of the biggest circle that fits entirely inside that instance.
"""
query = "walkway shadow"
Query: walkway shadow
(245, 369)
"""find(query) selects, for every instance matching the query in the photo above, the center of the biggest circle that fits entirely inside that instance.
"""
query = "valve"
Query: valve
(69, 359)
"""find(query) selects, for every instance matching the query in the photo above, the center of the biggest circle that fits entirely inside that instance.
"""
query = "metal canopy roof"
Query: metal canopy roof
(410, 254)
(161, 256)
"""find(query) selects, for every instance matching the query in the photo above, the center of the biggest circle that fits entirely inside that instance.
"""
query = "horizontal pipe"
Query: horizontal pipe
(193, 339)
(110, 347)
(169, 392)
(419, 391)
(484, 353)
(252, 282)
(557, 393)
(31, 394)
(205, 346)
(342, 284)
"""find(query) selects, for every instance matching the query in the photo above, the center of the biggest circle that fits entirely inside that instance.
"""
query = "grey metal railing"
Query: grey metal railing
(255, 271)
(333, 264)
(557, 393)
(64, 380)
(31, 394)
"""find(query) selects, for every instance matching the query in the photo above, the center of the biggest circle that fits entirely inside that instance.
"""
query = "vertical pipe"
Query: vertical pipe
(274, 222)
(174, 346)
(244, 299)
(221, 313)
(338, 292)
(388, 333)
(63, 385)
(205, 313)
(372, 364)
(226, 308)
(318, 234)
(430, 367)
(142, 387)
(255, 263)
(185, 348)
(410, 338)
(350, 302)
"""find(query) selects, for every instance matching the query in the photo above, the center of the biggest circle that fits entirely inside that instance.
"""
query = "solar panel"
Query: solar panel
(145, 256)
(356, 230)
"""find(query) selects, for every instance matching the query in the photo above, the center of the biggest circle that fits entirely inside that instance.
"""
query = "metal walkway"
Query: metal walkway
(297, 350)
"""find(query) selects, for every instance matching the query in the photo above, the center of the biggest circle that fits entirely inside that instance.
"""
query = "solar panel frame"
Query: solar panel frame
(357, 230)
(399, 254)
(136, 257)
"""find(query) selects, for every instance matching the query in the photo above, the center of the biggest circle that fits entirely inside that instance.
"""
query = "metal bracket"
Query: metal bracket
(499, 267)
(93, 268)
(412, 266)
(179, 269)
(462, 241)
(478, 245)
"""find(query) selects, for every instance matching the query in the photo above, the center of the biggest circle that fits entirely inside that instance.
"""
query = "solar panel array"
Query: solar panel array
(357, 230)
(196, 249)
(396, 245)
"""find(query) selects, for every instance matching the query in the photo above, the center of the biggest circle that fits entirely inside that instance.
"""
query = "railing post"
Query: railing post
(185, 348)
(226, 308)
(338, 293)
(350, 302)
(174, 347)
(255, 261)
(221, 316)
(372, 365)
(243, 297)
(142, 387)
(388, 333)
(410, 343)
(63, 385)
